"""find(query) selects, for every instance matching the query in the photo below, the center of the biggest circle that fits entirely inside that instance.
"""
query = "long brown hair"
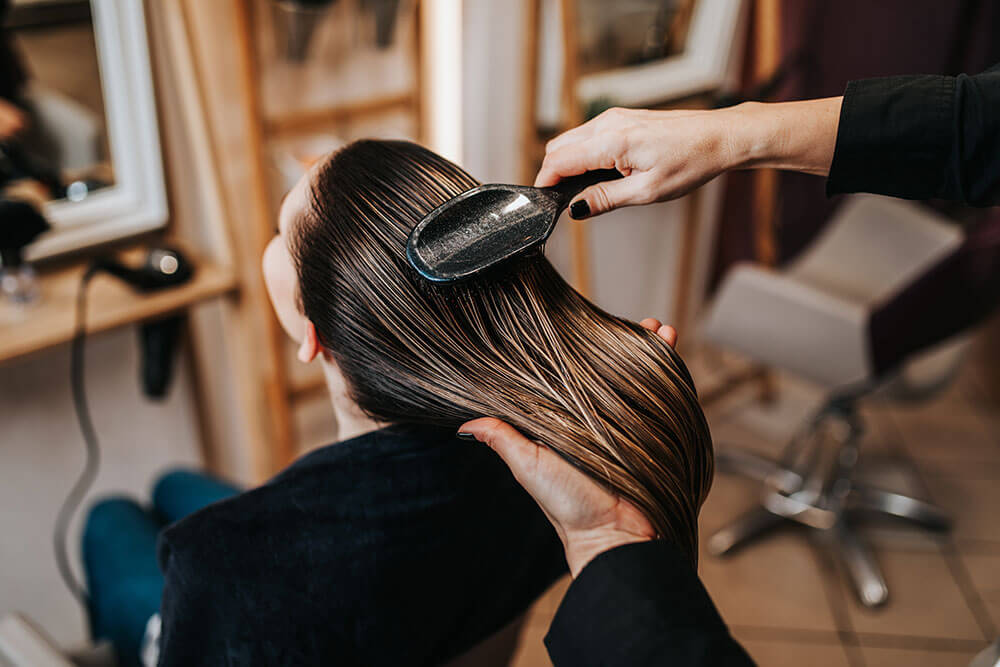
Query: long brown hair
(610, 397)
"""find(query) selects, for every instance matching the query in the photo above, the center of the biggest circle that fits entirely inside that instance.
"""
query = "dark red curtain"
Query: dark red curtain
(831, 43)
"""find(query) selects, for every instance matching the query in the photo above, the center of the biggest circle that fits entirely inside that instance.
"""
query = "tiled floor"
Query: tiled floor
(787, 600)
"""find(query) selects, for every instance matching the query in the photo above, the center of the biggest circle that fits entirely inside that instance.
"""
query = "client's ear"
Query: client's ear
(309, 347)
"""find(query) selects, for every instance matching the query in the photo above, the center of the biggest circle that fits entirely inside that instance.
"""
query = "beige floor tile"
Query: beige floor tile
(893, 657)
(881, 437)
(795, 404)
(974, 470)
(896, 535)
(890, 472)
(538, 619)
(729, 497)
(773, 583)
(791, 654)
(973, 504)
(958, 438)
(548, 603)
(496, 651)
(729, 433)
(978, 379)
(765, 427)
(893, 473)
(984, 570)
(924, 600)
(531, 647)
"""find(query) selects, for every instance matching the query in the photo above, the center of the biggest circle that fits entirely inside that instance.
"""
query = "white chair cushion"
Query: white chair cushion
(789, 325)
(873, 247)
(812, 318)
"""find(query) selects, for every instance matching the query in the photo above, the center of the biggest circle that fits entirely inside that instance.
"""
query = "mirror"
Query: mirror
(633, 53)
(78, 134)
(611, 35)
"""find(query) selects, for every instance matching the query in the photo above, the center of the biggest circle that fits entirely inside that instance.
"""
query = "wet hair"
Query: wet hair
(607, 395)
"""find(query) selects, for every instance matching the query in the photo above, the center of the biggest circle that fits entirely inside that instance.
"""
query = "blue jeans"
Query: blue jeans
(119, 555)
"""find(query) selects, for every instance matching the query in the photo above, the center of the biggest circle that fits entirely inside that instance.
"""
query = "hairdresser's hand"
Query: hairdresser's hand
(589, 519)
(666, 154)
(12, 120)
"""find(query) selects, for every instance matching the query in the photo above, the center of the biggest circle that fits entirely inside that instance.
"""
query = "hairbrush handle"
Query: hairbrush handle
(570, 187)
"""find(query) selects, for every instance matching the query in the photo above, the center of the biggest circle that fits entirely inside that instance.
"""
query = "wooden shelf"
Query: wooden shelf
(311, 120)
(50, 320)
(341, 70)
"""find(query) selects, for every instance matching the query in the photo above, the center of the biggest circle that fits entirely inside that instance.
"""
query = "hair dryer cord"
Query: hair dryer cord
(92, 453)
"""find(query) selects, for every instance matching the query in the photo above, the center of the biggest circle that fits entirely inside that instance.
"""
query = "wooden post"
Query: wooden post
(221, 334)
(689, 232)
(573, 116)
(767, 26)
(272, 356)
(529, 90)
(767, 17)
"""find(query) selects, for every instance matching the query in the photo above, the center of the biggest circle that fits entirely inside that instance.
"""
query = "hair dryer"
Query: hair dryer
(163, 267)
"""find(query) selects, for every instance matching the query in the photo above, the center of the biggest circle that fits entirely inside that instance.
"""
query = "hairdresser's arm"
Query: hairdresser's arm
(916, 137)
(666, 154)
(921, 137)
(635, 600)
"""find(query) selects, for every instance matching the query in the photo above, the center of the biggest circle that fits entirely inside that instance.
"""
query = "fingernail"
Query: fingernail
(579, 210)
(462, 435)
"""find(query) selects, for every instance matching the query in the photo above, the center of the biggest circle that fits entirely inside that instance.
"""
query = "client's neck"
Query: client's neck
(351, 421)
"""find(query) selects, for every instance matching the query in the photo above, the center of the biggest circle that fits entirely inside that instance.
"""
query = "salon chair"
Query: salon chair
(879, 306)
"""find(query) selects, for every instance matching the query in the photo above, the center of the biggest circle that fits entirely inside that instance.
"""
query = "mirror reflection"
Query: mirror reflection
(632, 32)
(53, 133)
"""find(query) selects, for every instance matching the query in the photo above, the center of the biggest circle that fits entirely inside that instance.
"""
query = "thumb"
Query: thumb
(519, 453)
(607, 196)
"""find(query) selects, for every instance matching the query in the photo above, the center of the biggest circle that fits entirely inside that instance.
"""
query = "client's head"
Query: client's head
(609, 396)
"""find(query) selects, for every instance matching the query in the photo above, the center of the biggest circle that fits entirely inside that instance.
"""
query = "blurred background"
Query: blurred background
(179, 125)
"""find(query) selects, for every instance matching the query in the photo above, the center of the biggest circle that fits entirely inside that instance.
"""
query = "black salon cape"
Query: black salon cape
(916, 137)
(921, 137)
(401, 547)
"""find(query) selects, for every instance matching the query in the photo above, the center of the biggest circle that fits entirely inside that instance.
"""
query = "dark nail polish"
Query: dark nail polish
(465, 436)
(579, 210)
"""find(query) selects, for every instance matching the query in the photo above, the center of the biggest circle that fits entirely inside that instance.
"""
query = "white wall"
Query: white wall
(41, 454)
(494, 49)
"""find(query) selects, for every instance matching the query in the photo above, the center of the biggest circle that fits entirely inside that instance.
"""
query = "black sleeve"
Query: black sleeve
(640, 604)
(921, 137)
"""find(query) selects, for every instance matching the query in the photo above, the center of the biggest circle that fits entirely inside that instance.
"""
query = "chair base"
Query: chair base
(813, 485)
